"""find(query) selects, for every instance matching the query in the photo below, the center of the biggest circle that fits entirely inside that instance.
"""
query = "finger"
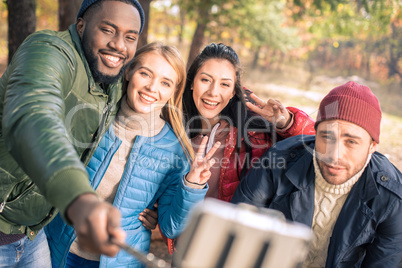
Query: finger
(280, 121)
(152, 217)
(201, 149)
(213, 150)
(206, 165)
(205, 176)
(156, 205)
(257, 99)
(145, 222)
(254, 108)
(280, 106)
(113, 230)
(97, 235)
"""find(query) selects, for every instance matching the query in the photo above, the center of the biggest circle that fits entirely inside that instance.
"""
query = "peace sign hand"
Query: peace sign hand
(272, 110)
(199, 171)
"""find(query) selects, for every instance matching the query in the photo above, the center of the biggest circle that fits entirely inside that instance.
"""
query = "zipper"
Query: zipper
(3, 204)
(95, 142)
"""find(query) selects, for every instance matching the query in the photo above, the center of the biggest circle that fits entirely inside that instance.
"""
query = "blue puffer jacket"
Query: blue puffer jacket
(154, 171)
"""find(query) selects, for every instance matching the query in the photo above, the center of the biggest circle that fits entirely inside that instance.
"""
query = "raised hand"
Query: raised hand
(272, 110)
(199, 171)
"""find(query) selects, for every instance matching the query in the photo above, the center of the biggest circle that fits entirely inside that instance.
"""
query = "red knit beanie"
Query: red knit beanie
(354, 103)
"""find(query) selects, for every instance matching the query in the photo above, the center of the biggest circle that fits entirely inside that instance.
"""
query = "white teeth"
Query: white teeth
(112, 58)
(210, 102)
(148, 98)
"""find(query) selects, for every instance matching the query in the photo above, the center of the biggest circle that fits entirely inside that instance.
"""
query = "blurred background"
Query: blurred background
(291, 50)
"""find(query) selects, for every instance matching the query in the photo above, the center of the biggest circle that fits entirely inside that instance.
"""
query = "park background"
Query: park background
(292, 50)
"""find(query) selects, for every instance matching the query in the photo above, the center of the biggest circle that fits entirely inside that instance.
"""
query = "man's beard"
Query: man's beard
(93, 62)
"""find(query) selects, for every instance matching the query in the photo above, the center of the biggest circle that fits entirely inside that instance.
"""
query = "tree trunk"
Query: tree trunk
(393, 68)
(256, 57)
(68, 10)
(21, 23)
(199, 36)
(146, 6)
(182, 22)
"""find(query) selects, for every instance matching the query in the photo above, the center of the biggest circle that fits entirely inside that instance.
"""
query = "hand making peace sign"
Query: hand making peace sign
(199, 171)
(272, 110)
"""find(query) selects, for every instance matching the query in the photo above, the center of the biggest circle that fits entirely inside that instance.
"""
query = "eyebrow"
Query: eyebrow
(149, 70)
(116, 27)
(348, 135)
(212, 77)
(351, 136)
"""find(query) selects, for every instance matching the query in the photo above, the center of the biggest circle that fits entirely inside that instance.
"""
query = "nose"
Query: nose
(151, 86)
(213, 89)
(117, 43)
(335, 152)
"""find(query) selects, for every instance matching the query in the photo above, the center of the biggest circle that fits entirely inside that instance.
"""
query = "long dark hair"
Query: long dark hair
(236, 110)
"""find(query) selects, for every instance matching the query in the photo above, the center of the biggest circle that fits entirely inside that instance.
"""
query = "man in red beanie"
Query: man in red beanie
(337, 183)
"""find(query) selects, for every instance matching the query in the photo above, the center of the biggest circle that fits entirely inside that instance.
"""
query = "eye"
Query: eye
(352, 142)
(107, 30)
(205, 80)
(145, 74)
(131, 38)
(166, 84)
(328, 138)
(225, 85)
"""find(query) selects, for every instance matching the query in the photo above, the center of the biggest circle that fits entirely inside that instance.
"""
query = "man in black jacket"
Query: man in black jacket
(337, 183)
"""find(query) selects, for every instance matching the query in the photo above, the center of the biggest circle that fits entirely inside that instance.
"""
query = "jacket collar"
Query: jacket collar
(94, 88)
(298, 174)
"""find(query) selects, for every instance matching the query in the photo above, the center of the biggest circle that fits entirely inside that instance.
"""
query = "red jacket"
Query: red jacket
(261, 142)
(229, 174)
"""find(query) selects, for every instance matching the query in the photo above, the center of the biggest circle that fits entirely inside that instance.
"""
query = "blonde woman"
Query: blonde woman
(144, 157)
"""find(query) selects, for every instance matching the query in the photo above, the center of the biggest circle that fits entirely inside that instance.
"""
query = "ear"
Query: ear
(373, 147)
(80, 26)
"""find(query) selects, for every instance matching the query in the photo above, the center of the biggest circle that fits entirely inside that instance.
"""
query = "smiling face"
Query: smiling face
(342, 149)
(109, 39)
(152, 82)
(213, 87)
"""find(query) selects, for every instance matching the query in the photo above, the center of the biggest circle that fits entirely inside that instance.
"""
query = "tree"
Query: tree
(200, 11)
(21, 23)
(68, 10)
(146, 6)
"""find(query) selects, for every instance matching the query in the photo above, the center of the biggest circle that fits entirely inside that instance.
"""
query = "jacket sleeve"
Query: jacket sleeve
(256, 188)
(175, 204)
(40, 75)
(302, 124)
(386, 249)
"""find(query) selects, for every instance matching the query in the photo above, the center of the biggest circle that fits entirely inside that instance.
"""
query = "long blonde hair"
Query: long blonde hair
(172, 111)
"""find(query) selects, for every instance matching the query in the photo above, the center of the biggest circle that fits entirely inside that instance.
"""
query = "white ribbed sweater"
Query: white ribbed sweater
(328, 202)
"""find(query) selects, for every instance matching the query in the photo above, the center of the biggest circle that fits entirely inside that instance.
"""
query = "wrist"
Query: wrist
(193, 184)
(80, 206)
